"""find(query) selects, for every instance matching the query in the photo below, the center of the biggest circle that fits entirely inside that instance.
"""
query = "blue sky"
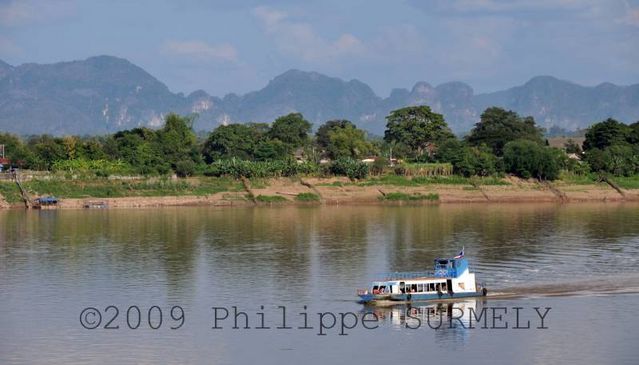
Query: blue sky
(238, 46)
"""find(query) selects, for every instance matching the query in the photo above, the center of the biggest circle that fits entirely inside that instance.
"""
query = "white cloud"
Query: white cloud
(633, 17)
(402, 42)
(475, 46)
(301, 40)
(270, 17)
(201, 51)
(630, 15)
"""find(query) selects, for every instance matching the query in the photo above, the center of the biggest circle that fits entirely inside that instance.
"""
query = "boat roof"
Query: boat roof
(409, 276)
(415, 279)
(421, 275)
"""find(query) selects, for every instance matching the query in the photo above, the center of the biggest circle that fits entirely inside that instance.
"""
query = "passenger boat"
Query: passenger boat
(451, 278)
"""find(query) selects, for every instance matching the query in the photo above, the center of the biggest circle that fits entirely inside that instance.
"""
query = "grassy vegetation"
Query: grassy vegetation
(424, 169)
(334, 183)
(428, 180)
(104, 188)
(270, 198)
(489, 180)
(9, 190)
(627, 182)
(399, 196)
(307, 197)
(574, 179)
(259, 183)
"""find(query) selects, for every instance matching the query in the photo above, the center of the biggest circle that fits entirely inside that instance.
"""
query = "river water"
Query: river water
(282, 266)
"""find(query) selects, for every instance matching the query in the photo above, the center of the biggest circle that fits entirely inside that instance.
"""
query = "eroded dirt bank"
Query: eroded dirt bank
(342, 191)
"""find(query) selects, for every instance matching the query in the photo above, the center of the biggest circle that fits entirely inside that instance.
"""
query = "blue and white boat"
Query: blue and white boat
(450, 279)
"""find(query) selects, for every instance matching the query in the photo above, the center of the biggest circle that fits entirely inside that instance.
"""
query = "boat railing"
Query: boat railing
(415, 275)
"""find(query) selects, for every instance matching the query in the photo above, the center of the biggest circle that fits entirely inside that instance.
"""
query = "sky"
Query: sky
(223, 46)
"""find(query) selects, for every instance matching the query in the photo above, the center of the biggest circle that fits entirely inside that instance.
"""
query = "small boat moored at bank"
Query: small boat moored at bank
(450, 278)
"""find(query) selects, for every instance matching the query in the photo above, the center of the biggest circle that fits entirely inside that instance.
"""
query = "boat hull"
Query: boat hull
(369, 298)
(419, 297)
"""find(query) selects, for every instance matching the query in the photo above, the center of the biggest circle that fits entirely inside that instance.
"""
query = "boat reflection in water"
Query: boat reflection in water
(450, 322)
(431, 315)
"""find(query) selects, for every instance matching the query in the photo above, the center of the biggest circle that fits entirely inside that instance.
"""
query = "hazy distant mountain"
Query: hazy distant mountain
(565, 104)
(5, 69)
(318, 97)
(98, 95)
(104, 94)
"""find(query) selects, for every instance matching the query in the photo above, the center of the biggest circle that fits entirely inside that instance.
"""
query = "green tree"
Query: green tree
(349, 167)
(292, 129)
(618, 159)
(451, 150)
(16, 151)
(93, 148)
(322, 137)
(272, 149)
(177, 141)
(607, 133)
(416, 127)
(347, 142)
(498, 127)
(467, 160)
(484, 162)
(143, 149)
(633, 136)
(185, 168)
(47, 150)
(526, 159)
(231, 141)
(621, 160)
(71, 146)
(595, 159)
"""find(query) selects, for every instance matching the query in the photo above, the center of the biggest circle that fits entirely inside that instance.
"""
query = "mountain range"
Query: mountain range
(104, 94)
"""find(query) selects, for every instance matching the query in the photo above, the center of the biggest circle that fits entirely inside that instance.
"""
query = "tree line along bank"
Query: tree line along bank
(501, 142)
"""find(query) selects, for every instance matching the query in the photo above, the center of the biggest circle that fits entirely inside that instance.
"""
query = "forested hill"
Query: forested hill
(105, 94)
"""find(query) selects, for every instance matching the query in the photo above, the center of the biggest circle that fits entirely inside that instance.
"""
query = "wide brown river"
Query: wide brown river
(148, 286)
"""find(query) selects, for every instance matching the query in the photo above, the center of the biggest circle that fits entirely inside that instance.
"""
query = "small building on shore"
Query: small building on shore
(5, 164)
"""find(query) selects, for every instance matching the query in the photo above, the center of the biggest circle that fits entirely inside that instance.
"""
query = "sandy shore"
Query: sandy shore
(339, 191)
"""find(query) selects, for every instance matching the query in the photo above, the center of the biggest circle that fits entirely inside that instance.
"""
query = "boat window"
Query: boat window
(431, 286)
(420, 287)
(444, 287)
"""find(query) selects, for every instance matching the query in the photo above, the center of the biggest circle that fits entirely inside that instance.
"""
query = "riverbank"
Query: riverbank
(76, 194)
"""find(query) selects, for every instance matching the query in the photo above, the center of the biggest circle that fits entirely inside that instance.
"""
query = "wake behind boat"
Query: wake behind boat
(450, 278)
